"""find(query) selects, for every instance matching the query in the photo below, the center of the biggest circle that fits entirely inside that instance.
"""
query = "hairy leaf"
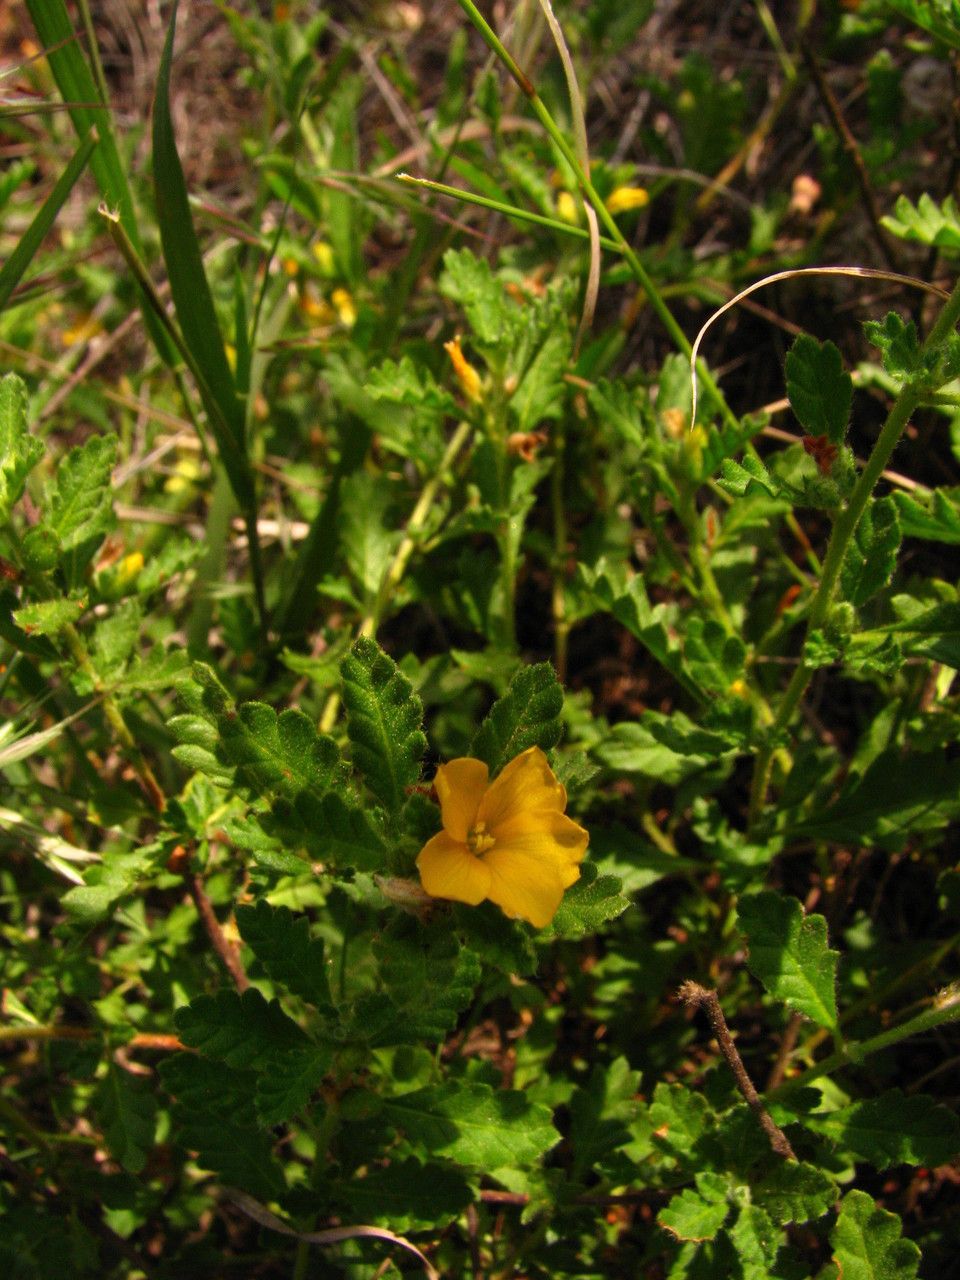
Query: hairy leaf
(893, 1128)
(383, 722)
(19, 451)
(528, 715)
(128, 1111)
(868, 1245)
(789, 954)
(242, 1031)
(281, 942)
(819, 390)
(872, 552)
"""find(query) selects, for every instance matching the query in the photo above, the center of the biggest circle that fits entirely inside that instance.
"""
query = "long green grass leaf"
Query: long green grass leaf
(26, 247)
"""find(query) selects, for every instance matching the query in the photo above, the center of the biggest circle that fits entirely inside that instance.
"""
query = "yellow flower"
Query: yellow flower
(624, 198)
(508, 840)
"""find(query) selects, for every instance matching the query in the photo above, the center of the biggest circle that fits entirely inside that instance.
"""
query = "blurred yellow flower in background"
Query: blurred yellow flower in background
(508, 841)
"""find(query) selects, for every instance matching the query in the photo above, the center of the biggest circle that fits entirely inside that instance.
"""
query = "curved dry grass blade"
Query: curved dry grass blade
(333, 1235)
(583, 154)
(869, 273)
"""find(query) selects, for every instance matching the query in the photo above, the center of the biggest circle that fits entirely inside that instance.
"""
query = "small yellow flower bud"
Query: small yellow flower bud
(624, 198)
(467, 375)
(128, 569)
(345, 307)
(324, 256)
(567, 208)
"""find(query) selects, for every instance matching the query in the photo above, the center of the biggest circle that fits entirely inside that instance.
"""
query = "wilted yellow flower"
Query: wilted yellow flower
(508, 840)
(623, 198)
(467, 375)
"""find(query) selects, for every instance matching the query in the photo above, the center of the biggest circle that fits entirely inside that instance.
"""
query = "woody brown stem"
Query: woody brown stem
(693, 994)
(227, 952)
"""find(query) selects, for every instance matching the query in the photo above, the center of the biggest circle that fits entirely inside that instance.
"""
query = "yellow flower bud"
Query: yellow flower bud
(624, 198)
(567, 208)
(467, 375)
(345, 307)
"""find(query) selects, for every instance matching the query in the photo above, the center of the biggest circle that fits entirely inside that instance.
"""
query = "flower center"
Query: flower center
(479, 840)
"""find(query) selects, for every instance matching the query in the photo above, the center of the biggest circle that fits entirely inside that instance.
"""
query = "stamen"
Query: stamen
(479, 840)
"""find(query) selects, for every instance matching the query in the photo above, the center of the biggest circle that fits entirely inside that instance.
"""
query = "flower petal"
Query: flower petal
(449, 870)
(526, 784)
(525, 885)
(460, 786)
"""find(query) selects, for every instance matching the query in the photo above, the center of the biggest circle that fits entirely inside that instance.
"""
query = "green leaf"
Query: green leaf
(81, 508)
(24, 251)
(926, 222)
(936, 518)
(897, 795)
(281, 942)
(587, 906)
(365, 529)
(335, 829)
(794, 1191)
(898, 343)
(427, 974)
(542, 391)
(405, 1196)
(469, 280)
(240, 1154)
(600, 1112)
(714, 658)
(893, 1128)
(819, 390)
(697, 1215)
(871, 555)
(747, 478)
(202, 1087)
(383, 722)
(789, 954)
(679, 1118)
(19, 451)
(49, 616)
(127, 1110)
(287, 1083)
(280, 754)
(528, 715)
(190, 289)
(867, 1242)
(474, 1125)
(757, 1241)
(242, 1031)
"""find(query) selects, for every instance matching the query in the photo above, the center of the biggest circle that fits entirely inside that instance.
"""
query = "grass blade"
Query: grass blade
(26, 247)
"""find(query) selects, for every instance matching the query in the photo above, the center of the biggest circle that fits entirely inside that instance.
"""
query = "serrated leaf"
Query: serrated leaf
(747, 478)
(926, 222)
(793, 1191)
(898, 344)
(243, 1031)
(469, 281)
(48, 617)
(127, 1110)
(528, 715)
(384, 716)
(693, 1216)
(679, 1118)
(267, 850)
(474, 1125)
(587, 906)
(757, 1240)
(867, 1242)
(365, 529)
(897, 795)
(281, 754)
(600, 1112)
(203, 1087)
(937, 518)
(871, 555)
(288, 1082)
(405, 1195)
(281, 942)
(788, 953)
(893, 1128)
(819, 390)
(427, 974)
(19, 451)
(81, 507)
(541, 393)
(240, 1154)
(714, 658)
(334, 828)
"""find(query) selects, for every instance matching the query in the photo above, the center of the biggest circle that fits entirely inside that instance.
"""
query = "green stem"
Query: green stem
(946, 1009)
(663, 312)
(843, 530)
